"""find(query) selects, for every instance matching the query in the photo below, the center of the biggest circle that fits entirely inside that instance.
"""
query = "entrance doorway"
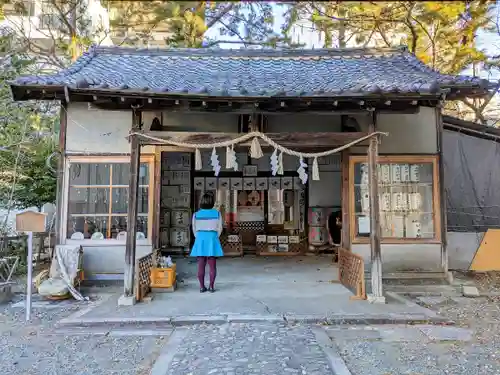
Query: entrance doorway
(253, 210)
(262, 214)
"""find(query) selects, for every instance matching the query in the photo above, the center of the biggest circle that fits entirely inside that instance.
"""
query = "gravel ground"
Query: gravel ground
(241, 349)
(37, 348)
(478, 356)
(365, 357)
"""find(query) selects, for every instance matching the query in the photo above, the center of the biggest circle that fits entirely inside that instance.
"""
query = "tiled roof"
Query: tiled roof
(252, 73)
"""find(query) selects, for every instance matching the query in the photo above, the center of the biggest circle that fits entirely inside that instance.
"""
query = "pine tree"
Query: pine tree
(27, 138)
(443, 34)
(186, 23)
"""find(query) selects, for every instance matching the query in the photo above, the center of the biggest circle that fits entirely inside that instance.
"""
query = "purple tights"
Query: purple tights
(202, 262)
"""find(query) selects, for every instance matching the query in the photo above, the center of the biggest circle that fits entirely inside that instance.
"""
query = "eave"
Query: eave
(39, 92)
(147, 100)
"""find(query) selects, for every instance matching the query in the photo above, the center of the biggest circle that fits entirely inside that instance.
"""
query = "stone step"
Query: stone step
(330, 319)
(112, 331)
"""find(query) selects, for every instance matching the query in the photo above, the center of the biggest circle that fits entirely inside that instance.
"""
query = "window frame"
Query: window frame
(145, 159)
(436, 207)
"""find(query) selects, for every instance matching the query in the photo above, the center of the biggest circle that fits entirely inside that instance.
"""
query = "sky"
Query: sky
(490, 42)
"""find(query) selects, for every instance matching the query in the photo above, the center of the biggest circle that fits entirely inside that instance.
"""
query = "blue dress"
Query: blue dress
(207, 227)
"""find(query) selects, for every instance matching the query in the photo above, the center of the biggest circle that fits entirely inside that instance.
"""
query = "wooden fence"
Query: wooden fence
(43, 246)
(352, 273)
(143, 267)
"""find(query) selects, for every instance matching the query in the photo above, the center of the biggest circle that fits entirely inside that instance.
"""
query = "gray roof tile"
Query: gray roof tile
(253, 73)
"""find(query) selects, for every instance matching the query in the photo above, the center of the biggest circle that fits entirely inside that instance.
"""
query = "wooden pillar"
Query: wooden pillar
(442, 192)
(346, 233)
(59, 214)
(157, 196)
(375, 233)
(133, 189)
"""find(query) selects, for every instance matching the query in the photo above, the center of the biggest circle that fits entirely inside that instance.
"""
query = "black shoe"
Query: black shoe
(203, 290)
(211, 290)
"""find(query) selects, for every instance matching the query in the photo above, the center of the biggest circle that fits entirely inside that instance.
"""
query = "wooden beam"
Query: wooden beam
(259, 106)
(133, 190)
(442, 192)
(291, 140)
(375, 233)
(157, 198)
(59, 225)
(346, 233)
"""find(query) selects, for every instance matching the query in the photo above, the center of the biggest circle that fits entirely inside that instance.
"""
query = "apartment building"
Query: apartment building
(42, 26)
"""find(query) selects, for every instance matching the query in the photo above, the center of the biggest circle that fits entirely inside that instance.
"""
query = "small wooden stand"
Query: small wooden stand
(30, 221)
(294, 248)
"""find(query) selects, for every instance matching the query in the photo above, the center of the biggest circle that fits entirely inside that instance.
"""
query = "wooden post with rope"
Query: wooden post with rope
(375, 232)
(128, 297)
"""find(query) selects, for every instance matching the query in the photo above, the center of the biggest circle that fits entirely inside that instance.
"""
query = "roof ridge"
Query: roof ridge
(264, 52)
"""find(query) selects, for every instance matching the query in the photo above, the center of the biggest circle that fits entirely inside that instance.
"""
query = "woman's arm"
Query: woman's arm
(193, 224)
(219, 225)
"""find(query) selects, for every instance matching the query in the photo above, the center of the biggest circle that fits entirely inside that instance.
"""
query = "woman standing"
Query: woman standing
(207, 227)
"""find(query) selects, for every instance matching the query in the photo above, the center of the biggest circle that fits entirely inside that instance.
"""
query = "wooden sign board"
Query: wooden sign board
(30, 221)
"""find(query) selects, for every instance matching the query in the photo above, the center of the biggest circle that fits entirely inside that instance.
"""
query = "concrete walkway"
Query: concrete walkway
(255, 289)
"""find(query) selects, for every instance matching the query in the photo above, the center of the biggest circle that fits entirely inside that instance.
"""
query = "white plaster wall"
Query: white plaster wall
(98, 131)
(409, 133)
(93, 130)
(404, 257)
(461, 249)
(108, 259)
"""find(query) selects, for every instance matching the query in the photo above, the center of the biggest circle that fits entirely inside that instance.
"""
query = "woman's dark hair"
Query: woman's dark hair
(207, 201)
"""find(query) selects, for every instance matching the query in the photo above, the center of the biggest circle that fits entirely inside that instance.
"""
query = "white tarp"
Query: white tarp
(63, 271)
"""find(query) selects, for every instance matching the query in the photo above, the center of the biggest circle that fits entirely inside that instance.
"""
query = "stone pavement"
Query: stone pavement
(281, 349)
(302, 289)
(263, 343)
(278, 348)
(38, 348)
(241, 349)
(415, 350)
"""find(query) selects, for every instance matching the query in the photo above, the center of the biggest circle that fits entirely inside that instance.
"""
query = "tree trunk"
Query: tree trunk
(342, 29)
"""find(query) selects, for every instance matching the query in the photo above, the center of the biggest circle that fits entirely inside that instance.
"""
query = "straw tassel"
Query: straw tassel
(255, 150)
(315, 171)
(198, 165)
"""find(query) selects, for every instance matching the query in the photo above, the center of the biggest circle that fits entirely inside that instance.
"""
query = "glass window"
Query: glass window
(19, 8)
(98, 200)
(406, 199)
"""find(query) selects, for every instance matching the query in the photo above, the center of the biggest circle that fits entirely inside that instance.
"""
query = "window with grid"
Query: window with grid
(19, 8)
(50, 17)
(98, 200)
(407, 197)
